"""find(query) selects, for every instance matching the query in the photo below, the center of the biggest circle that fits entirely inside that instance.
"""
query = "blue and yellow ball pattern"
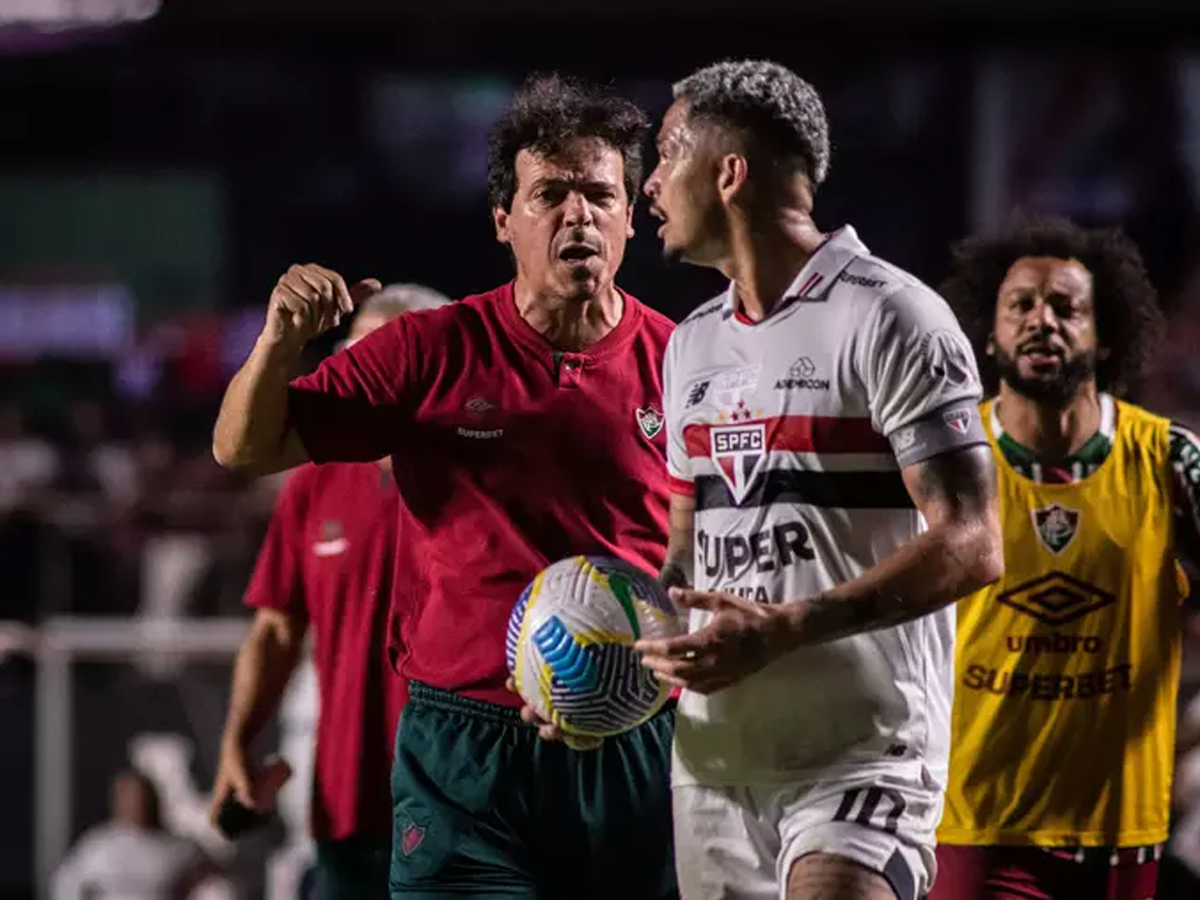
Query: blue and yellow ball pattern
(570, 640)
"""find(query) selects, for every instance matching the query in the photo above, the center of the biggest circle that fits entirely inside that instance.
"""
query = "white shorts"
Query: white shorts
(739, 843)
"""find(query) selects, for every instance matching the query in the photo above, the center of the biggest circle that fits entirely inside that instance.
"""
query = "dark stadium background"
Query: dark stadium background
(186, 160)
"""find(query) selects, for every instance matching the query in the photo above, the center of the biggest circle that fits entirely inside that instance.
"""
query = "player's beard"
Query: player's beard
(1058, 391)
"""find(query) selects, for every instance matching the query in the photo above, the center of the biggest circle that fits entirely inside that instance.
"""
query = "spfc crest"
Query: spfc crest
(1056, 526)
(958, 419)
(650, 420)
(739, 452)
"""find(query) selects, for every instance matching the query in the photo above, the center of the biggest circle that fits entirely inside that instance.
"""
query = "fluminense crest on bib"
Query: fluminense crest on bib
(1056, 526)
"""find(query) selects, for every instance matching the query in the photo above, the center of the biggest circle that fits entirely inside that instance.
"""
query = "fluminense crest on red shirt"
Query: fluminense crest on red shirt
(650, 420)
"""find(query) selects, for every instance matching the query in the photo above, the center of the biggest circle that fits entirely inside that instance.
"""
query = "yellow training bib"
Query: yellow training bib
(1063, 727)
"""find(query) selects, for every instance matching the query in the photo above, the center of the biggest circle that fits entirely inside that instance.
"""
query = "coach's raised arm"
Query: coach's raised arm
(253, 431)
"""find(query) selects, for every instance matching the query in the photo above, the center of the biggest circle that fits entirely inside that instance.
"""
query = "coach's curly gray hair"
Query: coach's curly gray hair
(767, 103)
(401, 298)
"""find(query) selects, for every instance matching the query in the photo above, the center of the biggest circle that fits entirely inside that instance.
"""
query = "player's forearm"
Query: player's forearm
(928, 573)
(252, 426)
(678, 569)
(264, 665)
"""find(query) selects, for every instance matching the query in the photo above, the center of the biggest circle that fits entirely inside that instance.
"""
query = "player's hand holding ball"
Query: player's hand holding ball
(741, 637)
(309, 300)
(548, 731)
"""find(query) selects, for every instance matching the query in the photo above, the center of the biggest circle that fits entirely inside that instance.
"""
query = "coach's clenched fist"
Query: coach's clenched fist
(309, 300)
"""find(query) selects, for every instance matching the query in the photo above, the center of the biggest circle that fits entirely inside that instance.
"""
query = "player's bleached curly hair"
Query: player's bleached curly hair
(550, 111)
(1129, 321)
(767, 103)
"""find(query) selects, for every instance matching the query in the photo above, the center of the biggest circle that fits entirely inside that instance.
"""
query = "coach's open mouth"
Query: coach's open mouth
(577, 252)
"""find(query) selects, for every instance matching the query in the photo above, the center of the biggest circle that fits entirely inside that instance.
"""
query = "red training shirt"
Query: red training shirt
(507, 459)
(328, 555)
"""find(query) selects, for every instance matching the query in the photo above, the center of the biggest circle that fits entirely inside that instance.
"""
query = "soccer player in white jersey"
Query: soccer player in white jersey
(833, 495)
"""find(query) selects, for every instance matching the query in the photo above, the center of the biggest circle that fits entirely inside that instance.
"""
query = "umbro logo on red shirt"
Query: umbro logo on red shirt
(477, 406)
(477, 409)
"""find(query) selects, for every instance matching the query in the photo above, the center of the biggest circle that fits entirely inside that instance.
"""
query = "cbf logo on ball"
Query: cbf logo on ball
(739, 452)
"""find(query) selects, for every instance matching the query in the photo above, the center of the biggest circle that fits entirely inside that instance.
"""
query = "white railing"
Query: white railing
(57, 644)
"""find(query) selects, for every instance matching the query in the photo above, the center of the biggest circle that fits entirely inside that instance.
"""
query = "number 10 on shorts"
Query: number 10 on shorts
(872, 807)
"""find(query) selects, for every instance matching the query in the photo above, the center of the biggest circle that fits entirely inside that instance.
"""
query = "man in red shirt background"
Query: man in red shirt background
(524, 425)
(327, 565)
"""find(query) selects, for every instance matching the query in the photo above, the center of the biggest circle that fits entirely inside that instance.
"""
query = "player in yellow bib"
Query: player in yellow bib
(1063, 724)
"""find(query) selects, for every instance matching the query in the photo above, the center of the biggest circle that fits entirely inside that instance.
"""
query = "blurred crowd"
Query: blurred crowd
(110, 506)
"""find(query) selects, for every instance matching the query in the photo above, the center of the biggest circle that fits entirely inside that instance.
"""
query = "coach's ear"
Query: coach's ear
(500, 220)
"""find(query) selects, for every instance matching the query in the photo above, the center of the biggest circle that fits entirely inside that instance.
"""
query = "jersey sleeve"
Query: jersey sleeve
(919, 372)
(277, 581)
(355, 406)
(678, 467)
(1185, 463)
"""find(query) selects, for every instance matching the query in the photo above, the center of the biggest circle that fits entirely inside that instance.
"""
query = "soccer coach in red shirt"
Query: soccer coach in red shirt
(327, 564)
(524, 426)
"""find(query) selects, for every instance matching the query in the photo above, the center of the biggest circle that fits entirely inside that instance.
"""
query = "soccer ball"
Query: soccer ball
(570, 645)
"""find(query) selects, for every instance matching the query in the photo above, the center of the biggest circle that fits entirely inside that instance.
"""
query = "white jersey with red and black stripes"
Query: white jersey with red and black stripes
(787, 432)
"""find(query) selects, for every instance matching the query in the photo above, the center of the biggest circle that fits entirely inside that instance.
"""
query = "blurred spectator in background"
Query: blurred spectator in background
(132, 856)
(28, 463)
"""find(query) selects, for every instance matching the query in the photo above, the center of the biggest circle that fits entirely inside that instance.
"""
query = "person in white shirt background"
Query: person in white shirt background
(132, 856)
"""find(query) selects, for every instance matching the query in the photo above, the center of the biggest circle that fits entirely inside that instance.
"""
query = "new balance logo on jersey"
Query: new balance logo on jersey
(696, 394)
(739, 452)
(800, 377)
